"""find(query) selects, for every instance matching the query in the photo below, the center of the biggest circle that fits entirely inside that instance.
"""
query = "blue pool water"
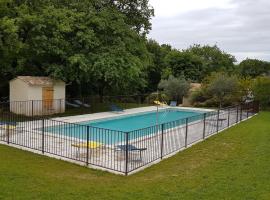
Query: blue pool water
(139, 121)
(113, 130)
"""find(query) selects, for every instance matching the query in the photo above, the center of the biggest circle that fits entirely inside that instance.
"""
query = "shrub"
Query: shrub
(198, 96)
(261, 91)
(223, 88)
(175, 88)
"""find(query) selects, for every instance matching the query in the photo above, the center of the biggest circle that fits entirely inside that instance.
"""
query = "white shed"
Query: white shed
(30, 95)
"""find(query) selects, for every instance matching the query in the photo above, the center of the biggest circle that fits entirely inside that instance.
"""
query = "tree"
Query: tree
(222, 87)
(214, 58)
(10, 45)
(175, 88)
(254, 68)
(81, 42)
(138, 13)
(185, 63)
(157, 64)
(261, 90)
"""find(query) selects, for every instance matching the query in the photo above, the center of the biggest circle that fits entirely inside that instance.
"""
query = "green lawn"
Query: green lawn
(232, 165)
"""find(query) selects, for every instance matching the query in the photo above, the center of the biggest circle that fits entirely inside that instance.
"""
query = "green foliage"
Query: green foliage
(100, 47)
(82, 42)
(138, 13)
(222, 87)
(254, 68)
(175, 88)
(157, 64)
(198, 96)
(214, 58)
(197, 62)
(185, 63)
(261, 90)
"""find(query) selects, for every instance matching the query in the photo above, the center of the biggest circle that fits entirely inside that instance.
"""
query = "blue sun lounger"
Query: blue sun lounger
(8, 127)
(7, 123)
(173, 104)
(116, 108)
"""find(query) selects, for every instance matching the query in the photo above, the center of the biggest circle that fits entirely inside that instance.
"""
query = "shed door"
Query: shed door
(47, 97)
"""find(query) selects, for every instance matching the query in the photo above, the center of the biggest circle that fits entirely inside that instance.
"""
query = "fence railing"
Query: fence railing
(114, 150)
(72, 106)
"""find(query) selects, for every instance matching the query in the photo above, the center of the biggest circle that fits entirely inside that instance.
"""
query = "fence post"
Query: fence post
(8, 133)
(87, 153)
(218, 120)
(8, 128)
(257, 107)
(32, 108)
(204, 124)
(237, 113)
(250, 107)
(43, 135)
(241, 110)
(186, 138)
(127, 138)
(162, 139)
(229, 116)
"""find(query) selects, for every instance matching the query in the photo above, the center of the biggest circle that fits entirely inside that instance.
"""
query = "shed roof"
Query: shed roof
(38, 80)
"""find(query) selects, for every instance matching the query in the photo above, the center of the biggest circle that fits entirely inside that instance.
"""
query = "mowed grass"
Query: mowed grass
(234, 164)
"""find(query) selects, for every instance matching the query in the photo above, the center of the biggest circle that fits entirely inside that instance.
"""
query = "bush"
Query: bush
(175, 88)
(223, 88)
(261, 91)
(198, 96)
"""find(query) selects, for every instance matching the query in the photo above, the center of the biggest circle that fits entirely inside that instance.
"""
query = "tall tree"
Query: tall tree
(185, 63)
(10, 45)
(214, 58)
(138, 13)
(157, 63)
(77, 41)
(254, 67)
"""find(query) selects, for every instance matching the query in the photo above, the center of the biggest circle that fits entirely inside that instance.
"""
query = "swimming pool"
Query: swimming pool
(113, 130)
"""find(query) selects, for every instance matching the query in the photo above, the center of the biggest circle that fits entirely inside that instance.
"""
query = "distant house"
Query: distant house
(31, 95)
(193, 87)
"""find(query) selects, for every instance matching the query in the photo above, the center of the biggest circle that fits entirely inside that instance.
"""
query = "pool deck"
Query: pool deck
(108, 158)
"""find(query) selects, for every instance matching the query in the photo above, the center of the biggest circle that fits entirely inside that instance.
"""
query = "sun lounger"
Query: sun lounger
(116, 108)
(131, 148)
(90, 145)
(173, 104)
(7, 128)
(80, 103)
(72, 105)
(8, 125)
(214, 122)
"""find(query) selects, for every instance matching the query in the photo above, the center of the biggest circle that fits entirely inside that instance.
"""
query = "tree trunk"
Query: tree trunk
(101, 93)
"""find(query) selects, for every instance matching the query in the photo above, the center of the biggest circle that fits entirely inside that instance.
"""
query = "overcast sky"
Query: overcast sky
(240, 27)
